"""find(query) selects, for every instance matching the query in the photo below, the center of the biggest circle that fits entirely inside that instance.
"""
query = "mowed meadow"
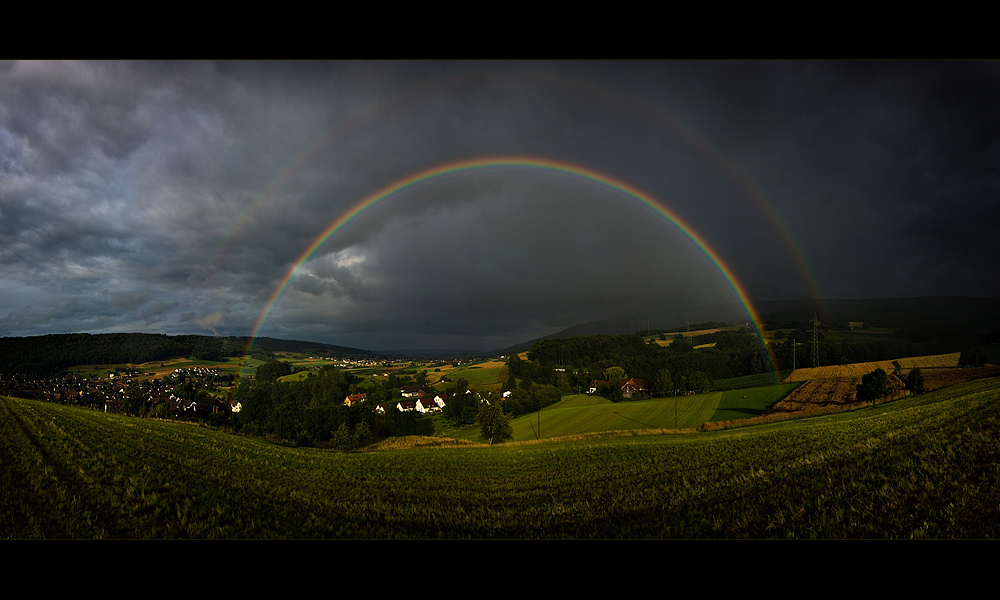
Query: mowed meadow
(920, 467)
(582, 414)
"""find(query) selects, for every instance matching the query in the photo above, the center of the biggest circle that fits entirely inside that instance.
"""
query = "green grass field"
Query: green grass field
(922, 467)
(748, 381)
(749, 402)
(569, 417)
(580, 414)
(163, 368)
(479, 378)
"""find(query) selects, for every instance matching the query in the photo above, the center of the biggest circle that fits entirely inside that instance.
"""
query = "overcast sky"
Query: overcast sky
(175, 197)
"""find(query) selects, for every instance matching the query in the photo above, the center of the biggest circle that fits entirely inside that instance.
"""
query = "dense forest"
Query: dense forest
(572, 362)
(312, 411)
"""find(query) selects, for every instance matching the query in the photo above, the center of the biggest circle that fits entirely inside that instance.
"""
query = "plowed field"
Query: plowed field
(830, 392)
(836, 385)
(935, 379)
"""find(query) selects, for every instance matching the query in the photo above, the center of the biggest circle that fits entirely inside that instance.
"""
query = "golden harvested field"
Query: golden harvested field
(493, 364)
(830, 392)
(836, 385)
(838, 371)
(859, 369)
(930, 362)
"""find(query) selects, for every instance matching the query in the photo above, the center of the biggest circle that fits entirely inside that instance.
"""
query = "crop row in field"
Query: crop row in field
(836, 385)
(859, 369)
(935, 379)
(927, 466)
(831, 392)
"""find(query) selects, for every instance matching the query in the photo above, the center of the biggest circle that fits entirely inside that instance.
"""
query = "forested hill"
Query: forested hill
(47, 354)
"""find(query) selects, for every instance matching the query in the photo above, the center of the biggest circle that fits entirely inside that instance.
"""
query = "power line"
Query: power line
(815, 342)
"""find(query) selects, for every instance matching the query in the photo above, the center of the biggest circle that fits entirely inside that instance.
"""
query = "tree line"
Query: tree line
(311, 411)
(572, 362)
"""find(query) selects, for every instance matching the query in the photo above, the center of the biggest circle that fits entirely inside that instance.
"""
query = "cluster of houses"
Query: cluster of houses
(109, 395)
(194, 372)
(418, 397)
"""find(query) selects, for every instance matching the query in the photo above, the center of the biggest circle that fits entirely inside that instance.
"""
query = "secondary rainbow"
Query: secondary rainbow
(506, 163)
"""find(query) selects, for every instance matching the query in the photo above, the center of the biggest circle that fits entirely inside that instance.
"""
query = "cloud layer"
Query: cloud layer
(175, 197)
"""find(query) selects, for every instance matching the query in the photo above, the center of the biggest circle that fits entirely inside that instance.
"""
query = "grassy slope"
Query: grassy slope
(573, 416)
(580, 414)
(923, 467)
(749, 402)
(480, 378)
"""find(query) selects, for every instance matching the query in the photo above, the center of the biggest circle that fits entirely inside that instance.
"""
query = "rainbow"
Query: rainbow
(649, 110)
(506, 163)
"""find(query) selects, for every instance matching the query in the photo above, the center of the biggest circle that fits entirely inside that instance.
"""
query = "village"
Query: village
(174, 396)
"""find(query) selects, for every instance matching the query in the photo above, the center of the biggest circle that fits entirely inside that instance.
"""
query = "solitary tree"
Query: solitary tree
(873, 386)
(915, 381)
(494, 424)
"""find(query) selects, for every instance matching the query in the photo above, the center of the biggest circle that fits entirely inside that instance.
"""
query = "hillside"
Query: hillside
(923, 467)
(47, 354)
(950, 319)
(657, 316)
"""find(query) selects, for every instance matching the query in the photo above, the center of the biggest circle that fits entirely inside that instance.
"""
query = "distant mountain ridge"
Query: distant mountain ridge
(965, 313)
(637, 321)
(44, 354)
(967, 317)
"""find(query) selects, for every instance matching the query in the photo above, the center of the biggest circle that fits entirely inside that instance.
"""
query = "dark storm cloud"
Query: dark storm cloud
(176, 196)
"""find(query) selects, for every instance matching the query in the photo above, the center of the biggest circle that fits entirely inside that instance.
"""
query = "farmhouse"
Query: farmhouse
(428, 404)
(415, 390)
(629, 387)
(354, 398)
(636, 386)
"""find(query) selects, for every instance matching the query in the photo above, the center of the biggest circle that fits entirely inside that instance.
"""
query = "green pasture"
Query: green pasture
(581, 414)
(748, 381)
(922, 467)
(165, 367)
(480, 378)
(557, 421)
(746, 403)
